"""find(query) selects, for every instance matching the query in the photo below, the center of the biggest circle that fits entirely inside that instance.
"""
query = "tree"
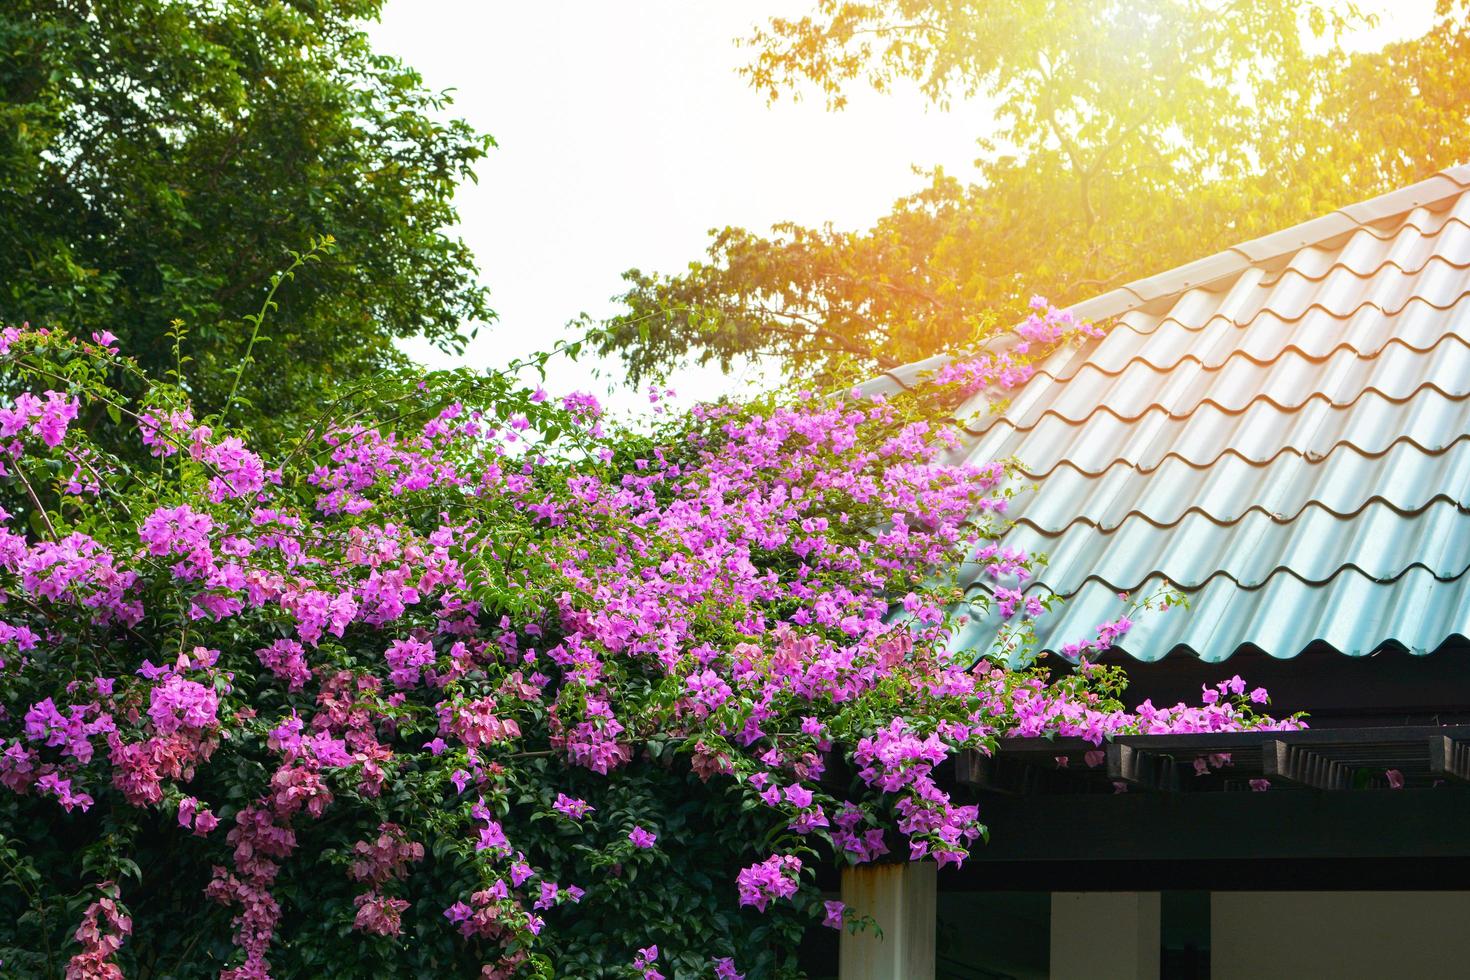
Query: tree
(1128, 138)
(159, 157)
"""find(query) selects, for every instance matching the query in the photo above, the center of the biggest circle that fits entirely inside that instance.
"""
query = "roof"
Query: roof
(1281, 430)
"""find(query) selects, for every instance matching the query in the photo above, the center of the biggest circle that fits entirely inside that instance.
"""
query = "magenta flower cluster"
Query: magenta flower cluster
(778, 876)
(414, 612)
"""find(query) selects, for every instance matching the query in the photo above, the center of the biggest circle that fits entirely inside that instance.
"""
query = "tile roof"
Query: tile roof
(1281, 430)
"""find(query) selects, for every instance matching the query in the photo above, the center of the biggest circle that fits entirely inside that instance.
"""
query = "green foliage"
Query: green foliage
(1128, 138)
(461, 676)
(158, 156)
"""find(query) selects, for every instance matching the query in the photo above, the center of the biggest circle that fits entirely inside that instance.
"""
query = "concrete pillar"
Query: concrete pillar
(1105, 935)
(901, 897)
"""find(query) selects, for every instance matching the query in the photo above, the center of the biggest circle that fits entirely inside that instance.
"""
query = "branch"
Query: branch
(836, 339)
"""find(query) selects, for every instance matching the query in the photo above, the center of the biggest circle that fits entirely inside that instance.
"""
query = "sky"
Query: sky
(625, 134)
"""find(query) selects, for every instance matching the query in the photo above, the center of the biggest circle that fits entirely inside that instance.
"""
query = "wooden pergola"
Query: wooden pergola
(1384, 807)
(1322, 759)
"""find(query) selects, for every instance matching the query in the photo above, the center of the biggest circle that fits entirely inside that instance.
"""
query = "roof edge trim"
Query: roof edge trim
(1450, 182)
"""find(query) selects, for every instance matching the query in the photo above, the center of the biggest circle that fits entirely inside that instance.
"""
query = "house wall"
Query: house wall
(1005, 934)
(1344, 935)
(1104, 934)
(1225, 935)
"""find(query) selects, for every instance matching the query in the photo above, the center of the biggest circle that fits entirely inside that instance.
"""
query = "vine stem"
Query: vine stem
(46, 518)
(298, 259)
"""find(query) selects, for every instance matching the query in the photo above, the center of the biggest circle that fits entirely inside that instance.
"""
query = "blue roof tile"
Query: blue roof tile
(1281, 431)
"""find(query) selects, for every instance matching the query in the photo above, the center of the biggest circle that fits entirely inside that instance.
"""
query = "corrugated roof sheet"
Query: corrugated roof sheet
(1281, 430)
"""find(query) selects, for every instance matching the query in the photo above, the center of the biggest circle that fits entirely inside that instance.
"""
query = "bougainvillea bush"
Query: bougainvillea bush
(465, 680)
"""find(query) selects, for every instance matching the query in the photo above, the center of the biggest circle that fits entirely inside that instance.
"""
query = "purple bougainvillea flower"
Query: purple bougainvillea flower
(571, 807)
(835, 912)
(719, 593)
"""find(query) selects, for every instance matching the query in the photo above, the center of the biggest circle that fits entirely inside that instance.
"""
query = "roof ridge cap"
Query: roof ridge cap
(1231, 261)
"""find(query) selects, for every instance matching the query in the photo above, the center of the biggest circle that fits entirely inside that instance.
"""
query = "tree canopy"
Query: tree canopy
(158, 158)
(1127, 138)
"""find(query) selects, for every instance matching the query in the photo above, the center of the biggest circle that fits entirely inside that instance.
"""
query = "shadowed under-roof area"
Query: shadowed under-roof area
(1281, 430)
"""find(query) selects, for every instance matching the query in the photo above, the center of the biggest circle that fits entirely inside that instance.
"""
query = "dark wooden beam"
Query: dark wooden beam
(1391, 685)
(1210, 742)
(1141, 768)
(1315, 874)
(975, 771)
(1301, 765)
(1317, 759)
(1449, 758)
(983, 773)
(1404, 825)
(971, 769)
